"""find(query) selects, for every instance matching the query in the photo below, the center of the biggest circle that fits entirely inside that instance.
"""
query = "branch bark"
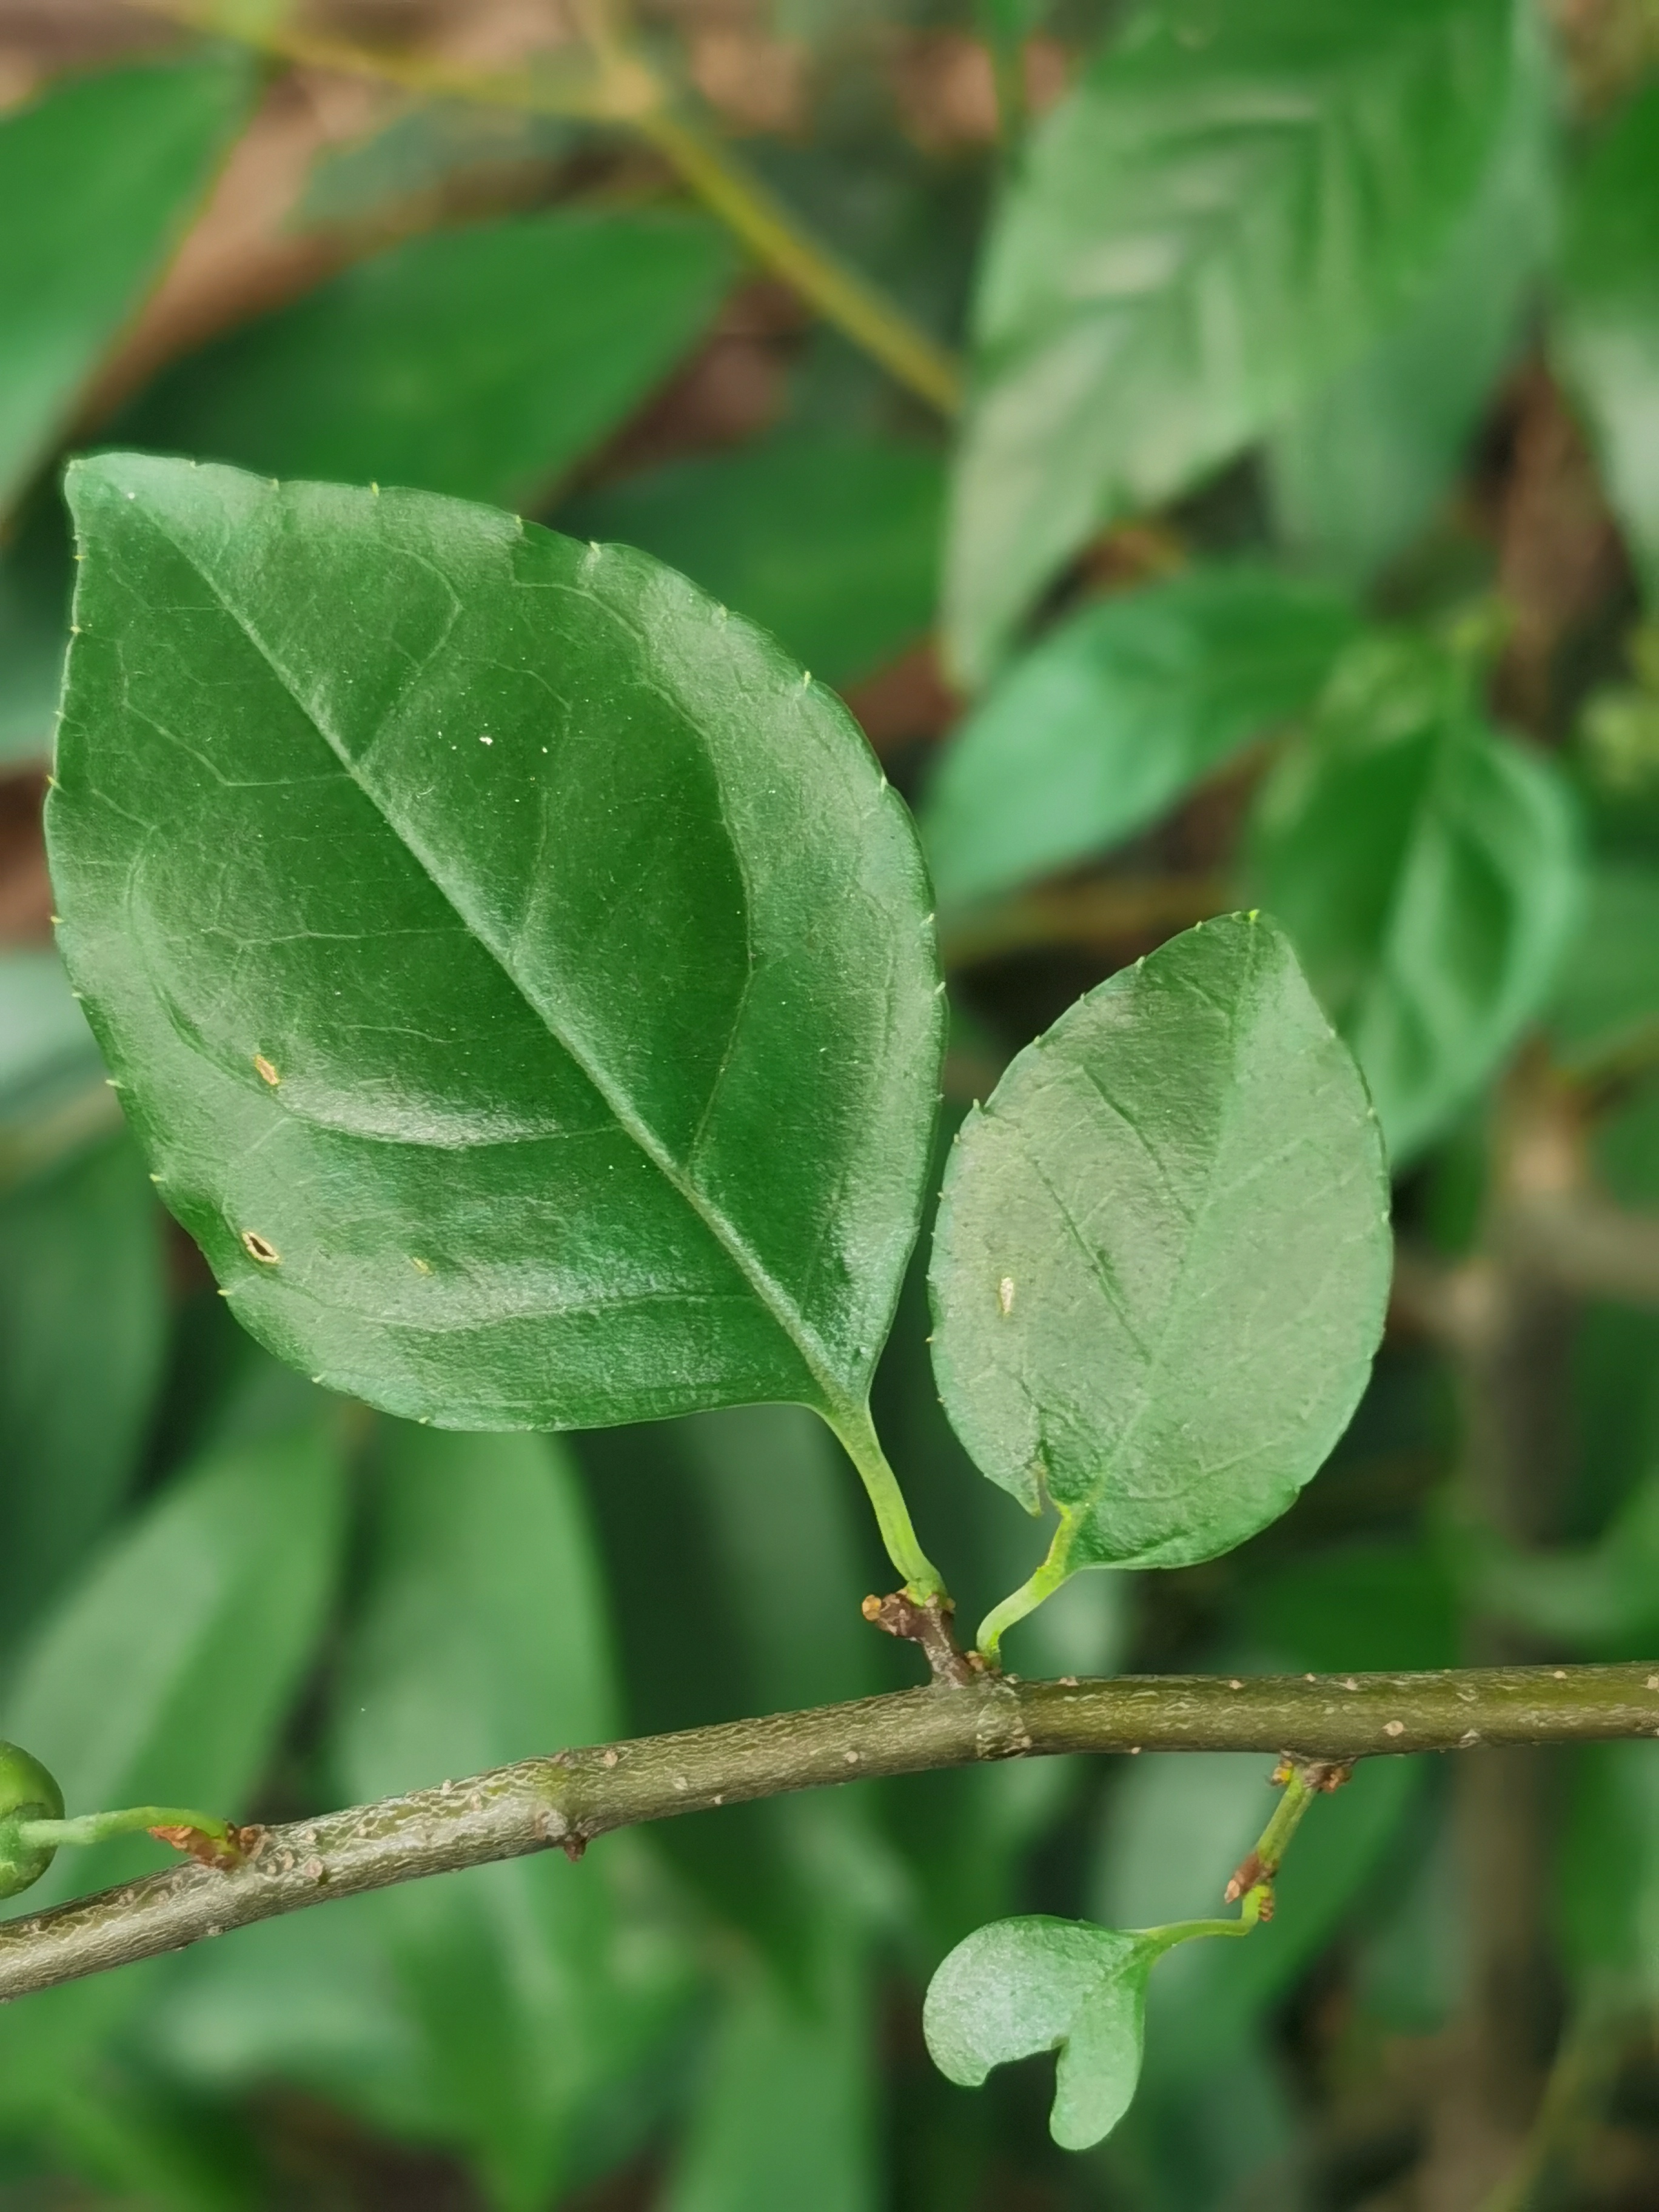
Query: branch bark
(569, 1799)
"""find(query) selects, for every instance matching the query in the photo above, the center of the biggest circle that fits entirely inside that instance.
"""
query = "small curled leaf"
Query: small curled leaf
(27, 1792)
(1021, 1986)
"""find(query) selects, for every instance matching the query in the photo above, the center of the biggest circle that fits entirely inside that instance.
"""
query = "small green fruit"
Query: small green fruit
(27, 1792)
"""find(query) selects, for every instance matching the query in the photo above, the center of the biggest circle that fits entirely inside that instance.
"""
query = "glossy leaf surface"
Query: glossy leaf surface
(831, 544)
(522, 979)
(1428, 871)
(99, 178)
(1205, 227)
(1104, 724)
(480, 362)
(1022, 1987)
(1607, 334)
(1362, 466)
(1162, 1254)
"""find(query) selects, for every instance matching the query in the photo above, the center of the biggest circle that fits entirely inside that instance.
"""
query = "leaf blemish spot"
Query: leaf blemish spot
(257, 1247)
(1006, 1294)
(421, 1266)
(265, 1072)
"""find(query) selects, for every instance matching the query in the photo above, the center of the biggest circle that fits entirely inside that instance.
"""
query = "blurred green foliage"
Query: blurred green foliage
(1298, 537)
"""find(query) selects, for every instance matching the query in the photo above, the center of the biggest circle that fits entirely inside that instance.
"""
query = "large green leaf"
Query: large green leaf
(484, 1639)
(1022, 1987)
(1362, 464)
(98, 178)
(83, 1329)
(521, 977)
(1103, 725)
(1428, 870)
(480, 362)
(1163, 1254)
(1217, 218)
(832, 544)
(1606, 335)
(163, 1676)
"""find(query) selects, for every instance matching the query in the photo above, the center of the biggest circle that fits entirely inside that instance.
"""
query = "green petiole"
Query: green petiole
(1253, 1883)
(130, 1821)
(1031, 1594)
(922, 1580)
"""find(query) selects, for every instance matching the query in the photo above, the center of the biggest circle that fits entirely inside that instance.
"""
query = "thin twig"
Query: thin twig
(621, 88)
(568, 1800)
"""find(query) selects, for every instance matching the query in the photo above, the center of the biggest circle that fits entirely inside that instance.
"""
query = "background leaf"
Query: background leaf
(163, 1676)
(1607, 329)
(479, 362)
(83, 1326)
(544, 1149)
(784, 2114)
(1363, 463)
(1190, 1141)
(484, 1639)
(53, 1096)
(1208, 226)
(831, 543)
(739, 1554)
(1022, 1987)
(110, 168)
(1607, 1002)
(1115, 715)
(1428, 871)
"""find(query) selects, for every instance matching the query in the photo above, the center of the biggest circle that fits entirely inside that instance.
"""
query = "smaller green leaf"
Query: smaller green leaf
(480, 362)
(1022, 1987)
(1428, 871)
(831, 544)
(1118, 712)
(1163, 1254)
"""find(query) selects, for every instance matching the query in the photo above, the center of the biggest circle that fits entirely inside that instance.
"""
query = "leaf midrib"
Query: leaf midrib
(766, 1289)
